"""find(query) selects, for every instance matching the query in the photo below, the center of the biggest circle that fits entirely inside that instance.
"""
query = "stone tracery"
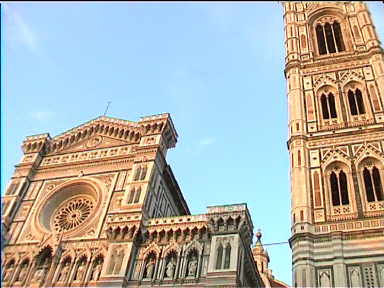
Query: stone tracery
(72, 213)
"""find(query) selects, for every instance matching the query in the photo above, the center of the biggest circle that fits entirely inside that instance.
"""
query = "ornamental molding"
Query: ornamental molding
(367, 150)
(351, 75)
(336, 154)
(95, 132)
(321, 80)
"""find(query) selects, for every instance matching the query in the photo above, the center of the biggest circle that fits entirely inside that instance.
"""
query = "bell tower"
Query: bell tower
(334, 67)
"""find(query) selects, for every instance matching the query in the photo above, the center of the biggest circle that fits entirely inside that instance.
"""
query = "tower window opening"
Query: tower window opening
(356, 102)
(329, 38)
(372, 183)
(227, 259)
(219, 256)
(328, 106)
(339, 188)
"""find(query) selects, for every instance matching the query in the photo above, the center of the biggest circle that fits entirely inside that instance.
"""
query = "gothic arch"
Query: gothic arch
(328, 103)
(193, 245)
(333, 157)
(171, 247)
(371, 178)
(354, 90)
(153, 247)
(329, 13)
(339, 187)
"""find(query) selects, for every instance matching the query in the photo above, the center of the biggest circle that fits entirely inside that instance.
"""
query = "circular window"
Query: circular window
(69, 208)
(72, 213)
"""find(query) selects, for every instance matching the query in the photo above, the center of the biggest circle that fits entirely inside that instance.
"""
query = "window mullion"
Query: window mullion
(357, 107)
(328, 107)
(339, 189)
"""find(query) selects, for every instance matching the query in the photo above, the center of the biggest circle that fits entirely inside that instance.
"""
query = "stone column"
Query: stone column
(177, 266)
(88, 270)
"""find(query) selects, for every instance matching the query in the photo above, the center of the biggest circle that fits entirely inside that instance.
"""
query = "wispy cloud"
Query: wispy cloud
(207, 141)
(41, 115)
(18, 31)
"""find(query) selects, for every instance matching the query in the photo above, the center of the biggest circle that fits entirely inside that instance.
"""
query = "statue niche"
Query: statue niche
(80, 271)
(23, 271)
(149, 266)
(192, 263)
(97, 266)
(170, 265)
(64, 271)
(43, 263)
(8, 272)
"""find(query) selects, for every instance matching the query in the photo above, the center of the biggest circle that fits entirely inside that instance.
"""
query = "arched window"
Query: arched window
(328, 106)
(372, 183)
(219, 257)
(339, 188)
(137, 174)
(131, 196)
(137, 196)
(356, 103)
(143, 173)
(227, 259)
(338, 36)
(321, 40)
(360, 102)
(329, 38)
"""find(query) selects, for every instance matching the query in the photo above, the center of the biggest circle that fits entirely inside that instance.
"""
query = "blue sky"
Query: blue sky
(217, 68)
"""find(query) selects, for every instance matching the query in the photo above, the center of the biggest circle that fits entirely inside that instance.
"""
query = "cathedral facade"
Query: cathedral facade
(99, 206)
(335, 82)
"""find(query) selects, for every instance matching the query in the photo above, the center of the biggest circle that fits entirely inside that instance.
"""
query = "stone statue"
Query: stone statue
(149, 268)
(170, 268)
(80, 271)
(41, 271)
(96, 272)
(64, 272)
(192, 266)
(22, 272)
(8, 273)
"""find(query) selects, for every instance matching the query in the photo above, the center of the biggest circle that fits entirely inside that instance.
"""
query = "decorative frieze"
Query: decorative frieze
(86, 156)
(350, 226)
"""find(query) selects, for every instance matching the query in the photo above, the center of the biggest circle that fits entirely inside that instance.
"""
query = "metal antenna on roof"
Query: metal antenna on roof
(106, 109)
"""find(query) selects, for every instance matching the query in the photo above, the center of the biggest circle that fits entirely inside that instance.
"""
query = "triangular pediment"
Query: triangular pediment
(94, 142)
(101, 132)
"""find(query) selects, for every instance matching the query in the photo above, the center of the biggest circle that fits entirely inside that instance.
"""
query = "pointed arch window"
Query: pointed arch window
(219, 257)
(339, 188)
(329, 38)
(137, 196)
(137, 174)
(328, 106)
(372, 183)
(131, 196)
(356, 103)
(227, 258)
(143, 172)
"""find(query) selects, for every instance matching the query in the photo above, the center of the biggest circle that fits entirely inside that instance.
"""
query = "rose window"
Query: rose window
(72, 213)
